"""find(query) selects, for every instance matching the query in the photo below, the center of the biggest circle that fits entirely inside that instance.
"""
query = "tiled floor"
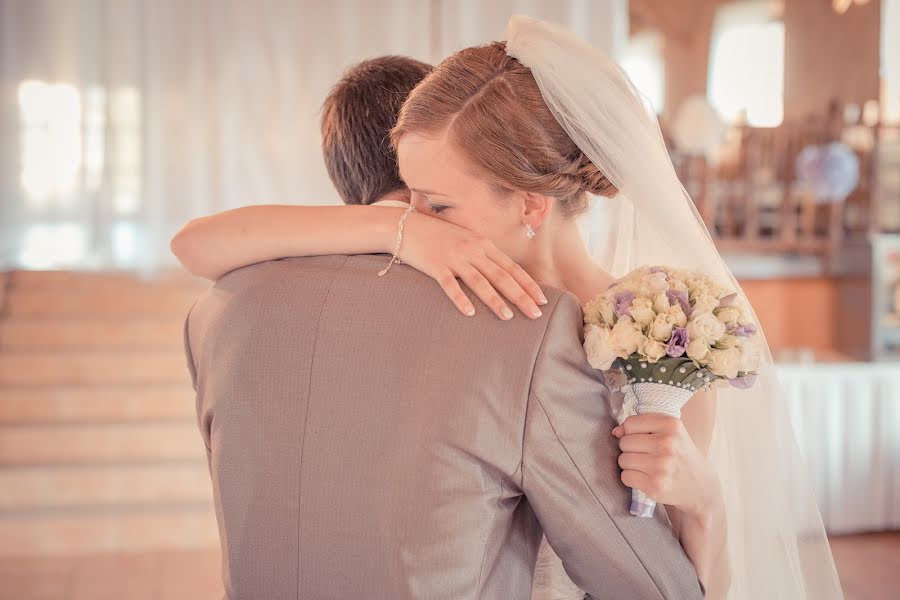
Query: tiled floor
(869, 567)
(146, 576)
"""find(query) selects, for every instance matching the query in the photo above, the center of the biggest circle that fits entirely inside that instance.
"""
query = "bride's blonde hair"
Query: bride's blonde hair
(494, 113)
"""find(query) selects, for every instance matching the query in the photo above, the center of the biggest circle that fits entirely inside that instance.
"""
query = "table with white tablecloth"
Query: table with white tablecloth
(846, 417)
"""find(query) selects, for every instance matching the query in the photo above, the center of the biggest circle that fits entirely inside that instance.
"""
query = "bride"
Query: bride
(511, 151)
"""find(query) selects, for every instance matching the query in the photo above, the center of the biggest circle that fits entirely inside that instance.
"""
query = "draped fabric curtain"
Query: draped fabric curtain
(846, 418)
(123, 119)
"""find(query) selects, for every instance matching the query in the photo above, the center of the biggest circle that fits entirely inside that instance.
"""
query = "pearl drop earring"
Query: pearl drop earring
(529, 231)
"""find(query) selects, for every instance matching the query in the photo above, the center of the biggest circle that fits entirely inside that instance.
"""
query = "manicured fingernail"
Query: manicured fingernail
(543, 299)
(536, 313)
(507, 314)
(470, 311)
(616, 431)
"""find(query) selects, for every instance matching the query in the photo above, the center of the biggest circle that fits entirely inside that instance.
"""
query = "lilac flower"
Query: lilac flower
(622, 302)
(745, 330)
(745, 382)
(676, 297)
(678, 342)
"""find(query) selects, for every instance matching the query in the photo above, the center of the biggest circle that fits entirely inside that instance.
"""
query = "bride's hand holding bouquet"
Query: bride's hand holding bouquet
(660, 335)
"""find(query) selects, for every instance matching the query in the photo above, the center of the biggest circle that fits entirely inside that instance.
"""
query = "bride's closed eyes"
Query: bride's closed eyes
(433, 207)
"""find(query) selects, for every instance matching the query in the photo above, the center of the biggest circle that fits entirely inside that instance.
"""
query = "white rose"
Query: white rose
(705, 303)
(600, 352)
(697, 287)
(661, 303)
(697, 350)
(724, 363)
(657, 282)
(626, 337)
(661, 328)
(728, 314)
(705, 327)
(641, 311)
(653, 350)
(678, 285)
(726, 341)
(606, 311)
(677, 315)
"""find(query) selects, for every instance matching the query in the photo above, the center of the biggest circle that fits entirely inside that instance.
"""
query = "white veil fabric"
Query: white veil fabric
(777, 544)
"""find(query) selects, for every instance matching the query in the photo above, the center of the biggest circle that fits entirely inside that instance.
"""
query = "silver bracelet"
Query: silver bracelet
(395, 258)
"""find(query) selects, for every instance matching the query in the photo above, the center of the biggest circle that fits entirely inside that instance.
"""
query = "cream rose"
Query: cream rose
(606, 311)
(661, 303)
(705, 327)
(724, 363)
(642, 311)
(661, 328)
(728, 314)
(626, 337)
(653, 350)
(599, 349)
(657, 282)
(697, 350)
(677, 315)
(704, 303)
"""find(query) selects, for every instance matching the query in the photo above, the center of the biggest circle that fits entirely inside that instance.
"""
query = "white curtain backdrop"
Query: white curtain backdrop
(123, 119)
(847, 418)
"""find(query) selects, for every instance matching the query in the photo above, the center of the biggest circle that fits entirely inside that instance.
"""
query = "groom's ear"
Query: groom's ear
(536, 208)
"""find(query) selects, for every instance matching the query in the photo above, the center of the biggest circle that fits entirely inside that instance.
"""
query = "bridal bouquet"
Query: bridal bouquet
(662, 334)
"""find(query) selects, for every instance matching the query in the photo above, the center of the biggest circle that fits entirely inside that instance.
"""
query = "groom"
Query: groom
(366, 440)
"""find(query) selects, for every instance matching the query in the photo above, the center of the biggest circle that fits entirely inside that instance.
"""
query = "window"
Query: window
(746, 66)
(642, 60)
(890, 60)
(80, 168)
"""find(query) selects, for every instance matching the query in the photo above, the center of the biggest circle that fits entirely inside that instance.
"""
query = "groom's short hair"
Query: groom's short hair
(357, 118)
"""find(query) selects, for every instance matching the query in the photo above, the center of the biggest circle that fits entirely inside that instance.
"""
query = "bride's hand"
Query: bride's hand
(445, 251)
(660, 458)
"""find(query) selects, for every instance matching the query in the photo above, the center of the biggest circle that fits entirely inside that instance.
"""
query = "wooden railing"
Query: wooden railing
(751, 201)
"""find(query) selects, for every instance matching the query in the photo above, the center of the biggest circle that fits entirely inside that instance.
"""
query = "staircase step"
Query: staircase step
(35, 488)
(104, 444)
(84, 302)
(91, 333)
(96, 404)
(22, 368)
(79, 533)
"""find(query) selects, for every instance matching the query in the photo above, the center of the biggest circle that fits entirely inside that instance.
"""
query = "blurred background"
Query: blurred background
(120, 120)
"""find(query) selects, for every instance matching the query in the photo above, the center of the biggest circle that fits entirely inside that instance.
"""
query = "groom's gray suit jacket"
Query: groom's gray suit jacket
(366, 440)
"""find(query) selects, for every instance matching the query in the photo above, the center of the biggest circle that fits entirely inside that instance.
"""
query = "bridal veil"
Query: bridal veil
(776, 541)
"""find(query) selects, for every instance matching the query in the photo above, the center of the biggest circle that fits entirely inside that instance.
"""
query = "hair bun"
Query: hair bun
(595, 182)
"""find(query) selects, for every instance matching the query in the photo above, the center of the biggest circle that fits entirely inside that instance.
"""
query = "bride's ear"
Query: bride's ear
(536, 208)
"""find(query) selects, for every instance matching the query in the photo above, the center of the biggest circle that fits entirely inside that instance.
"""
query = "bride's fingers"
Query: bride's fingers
(450, 285)
(484, 290)
(641, 481)
(504, 283)
(519, 274)
(645, 463)
(639, 442)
